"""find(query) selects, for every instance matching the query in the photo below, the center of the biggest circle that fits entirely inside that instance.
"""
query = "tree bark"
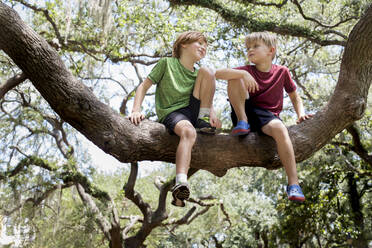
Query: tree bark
(11, 83)
(357, 211)
(115, 135)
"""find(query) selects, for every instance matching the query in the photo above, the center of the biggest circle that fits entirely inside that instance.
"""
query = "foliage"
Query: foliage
(111, 48)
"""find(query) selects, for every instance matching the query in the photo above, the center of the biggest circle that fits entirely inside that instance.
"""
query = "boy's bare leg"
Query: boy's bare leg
(205, 86)
(237, 95)
(279, 132)
(187, 133)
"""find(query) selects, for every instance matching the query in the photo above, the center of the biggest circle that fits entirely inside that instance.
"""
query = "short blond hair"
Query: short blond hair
(186, 38)
(267, 38)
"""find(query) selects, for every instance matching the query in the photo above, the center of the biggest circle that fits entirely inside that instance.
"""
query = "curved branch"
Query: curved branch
(101, 220)
(358, 147)
(25, 163)
(189, 217)
(11, 83)
(241, 19)
(255, 2)
(47, 16)
(37, 200)
(134, 196)
(115, 135)
(298, 5)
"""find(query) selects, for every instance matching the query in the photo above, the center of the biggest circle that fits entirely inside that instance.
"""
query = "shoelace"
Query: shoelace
(295, 190)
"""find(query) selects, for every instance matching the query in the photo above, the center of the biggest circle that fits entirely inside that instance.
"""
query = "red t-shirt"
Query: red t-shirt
(271, 84)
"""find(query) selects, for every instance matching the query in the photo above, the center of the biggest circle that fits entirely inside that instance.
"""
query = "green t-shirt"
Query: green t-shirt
(174, 86)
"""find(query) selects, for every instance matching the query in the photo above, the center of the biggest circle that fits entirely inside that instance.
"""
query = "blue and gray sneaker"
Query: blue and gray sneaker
(242, 128)
(295, 194)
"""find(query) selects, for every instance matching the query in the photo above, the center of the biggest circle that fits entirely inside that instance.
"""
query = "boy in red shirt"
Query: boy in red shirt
(259, 110)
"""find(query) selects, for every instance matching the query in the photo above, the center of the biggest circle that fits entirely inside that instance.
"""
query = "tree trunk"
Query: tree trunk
(116, 240)
(115, 135)
(357, 213)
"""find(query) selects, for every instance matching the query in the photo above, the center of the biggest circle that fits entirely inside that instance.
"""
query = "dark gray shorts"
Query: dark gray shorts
(257, 117)
(189, 113)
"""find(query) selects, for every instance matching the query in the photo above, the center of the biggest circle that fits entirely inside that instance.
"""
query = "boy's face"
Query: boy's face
(258, 52)
(196, 50)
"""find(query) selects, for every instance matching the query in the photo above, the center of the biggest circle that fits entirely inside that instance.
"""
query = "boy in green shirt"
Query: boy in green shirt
(183, 101)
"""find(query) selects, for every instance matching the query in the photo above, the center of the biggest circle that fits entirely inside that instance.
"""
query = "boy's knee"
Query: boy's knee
(188, 132)
(280, 129)
(207, 72)
(275, 127)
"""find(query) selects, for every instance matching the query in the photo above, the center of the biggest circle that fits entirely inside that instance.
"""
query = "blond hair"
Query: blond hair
(186, 38)
(267, 38)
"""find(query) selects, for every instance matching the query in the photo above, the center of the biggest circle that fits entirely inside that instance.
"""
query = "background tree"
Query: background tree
(93, 38)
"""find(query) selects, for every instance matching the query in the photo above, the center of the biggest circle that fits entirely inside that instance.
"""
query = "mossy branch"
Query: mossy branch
(242, 20)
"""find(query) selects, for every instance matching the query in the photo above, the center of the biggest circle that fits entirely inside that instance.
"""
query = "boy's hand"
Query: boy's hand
(214, 121)
(304, 117)
(136, 117)
(250, 83)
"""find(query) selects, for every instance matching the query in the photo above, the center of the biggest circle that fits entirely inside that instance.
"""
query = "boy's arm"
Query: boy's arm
(298, 106)
(136, 116)
(229, 74)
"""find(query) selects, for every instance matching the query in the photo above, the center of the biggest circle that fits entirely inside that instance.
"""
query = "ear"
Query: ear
(273, 49)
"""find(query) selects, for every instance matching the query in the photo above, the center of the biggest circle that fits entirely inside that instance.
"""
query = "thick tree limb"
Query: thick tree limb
(11, 83)
(77, 105)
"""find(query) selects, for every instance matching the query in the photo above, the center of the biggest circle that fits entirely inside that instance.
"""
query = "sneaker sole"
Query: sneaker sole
(179, 195)
(296, 199)
(239, 132)
(207, 130)
(182, 193)
(178, 202)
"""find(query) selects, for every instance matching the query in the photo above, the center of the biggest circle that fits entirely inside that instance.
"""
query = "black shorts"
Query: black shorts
(189, 113)
(257, 117)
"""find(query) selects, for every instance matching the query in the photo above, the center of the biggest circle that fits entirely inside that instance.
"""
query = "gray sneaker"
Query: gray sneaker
(203, 126)
(180, 193)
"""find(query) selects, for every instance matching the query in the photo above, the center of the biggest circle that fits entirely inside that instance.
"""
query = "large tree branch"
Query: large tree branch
(241, 19)
(77, 105)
